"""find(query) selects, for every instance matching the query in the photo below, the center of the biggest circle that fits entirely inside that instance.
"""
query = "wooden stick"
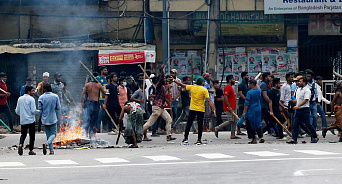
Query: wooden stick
(143, 89)
(192, 68)
(287, 131)
(91, 74)
(3, 91)
(111, 119)
(147, 75)
(287, 120)
(256, 77)
(337, 75)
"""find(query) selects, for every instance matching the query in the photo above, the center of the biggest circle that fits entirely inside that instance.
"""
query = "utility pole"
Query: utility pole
(214, 13)
(165, 37)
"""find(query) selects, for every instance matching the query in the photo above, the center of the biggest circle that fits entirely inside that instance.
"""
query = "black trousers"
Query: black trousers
(32, 133)
(273, 122)
(218, 117)
(5, 109)
(191, 118)
(251, 132)
(115, 113)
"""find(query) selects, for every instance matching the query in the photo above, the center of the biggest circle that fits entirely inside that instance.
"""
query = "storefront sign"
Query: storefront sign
(325, 24)
(302, 6)
(243, 23)
(117, 57)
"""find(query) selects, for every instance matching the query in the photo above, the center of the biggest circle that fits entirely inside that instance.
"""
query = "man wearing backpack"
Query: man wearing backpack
(313, 99)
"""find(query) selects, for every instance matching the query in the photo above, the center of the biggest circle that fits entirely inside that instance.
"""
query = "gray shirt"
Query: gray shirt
(301, 95)
(57, 88)
(138, 95)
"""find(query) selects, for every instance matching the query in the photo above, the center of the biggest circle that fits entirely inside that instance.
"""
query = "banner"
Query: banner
(117, 57)
(302, 6)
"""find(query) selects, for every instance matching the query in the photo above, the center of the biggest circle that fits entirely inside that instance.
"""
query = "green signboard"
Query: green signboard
(243, 23)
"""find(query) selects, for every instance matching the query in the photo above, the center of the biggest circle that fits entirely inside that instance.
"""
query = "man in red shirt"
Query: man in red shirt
(229, 107)
(3, 100)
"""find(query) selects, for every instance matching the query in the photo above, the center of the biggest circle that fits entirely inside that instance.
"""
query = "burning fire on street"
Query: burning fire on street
(71, 134)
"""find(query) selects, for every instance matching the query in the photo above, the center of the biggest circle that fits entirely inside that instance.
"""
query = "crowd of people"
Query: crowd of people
(152, 103)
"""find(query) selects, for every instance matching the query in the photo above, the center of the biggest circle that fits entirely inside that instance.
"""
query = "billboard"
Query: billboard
(302, 6)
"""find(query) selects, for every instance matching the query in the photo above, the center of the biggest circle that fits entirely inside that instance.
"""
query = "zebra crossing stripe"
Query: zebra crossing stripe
(266, 153)
(316, 152)
(11, 164)
(111, 160)
(162, 158)
(214, 155)
(61, 162)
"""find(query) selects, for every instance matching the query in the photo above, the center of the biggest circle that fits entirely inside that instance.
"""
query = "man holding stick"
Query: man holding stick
(91, 106)
(3, 100)
(158, 108)
(111, 102)
(274, 104)
(229, 107)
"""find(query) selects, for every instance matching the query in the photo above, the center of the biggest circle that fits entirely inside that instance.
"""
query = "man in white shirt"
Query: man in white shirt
(285, 93)
(302, 108)
(320, 99)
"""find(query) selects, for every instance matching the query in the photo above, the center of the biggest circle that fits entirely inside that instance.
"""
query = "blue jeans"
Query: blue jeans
(174, 110)
(185, 112)
(313, 115)
(91, 112)
(101, 114)
(51, 131)
(321, 112)
(302, 116)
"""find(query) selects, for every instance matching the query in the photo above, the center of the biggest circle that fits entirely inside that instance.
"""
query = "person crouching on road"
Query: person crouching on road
(26, 109)
(134, 129)
(197, 108)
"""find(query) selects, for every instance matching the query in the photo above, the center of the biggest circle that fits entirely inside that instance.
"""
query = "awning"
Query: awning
(28, 48)
(118, 57)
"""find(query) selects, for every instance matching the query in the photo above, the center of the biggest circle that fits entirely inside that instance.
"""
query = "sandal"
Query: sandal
(51, 153)
(132, 146)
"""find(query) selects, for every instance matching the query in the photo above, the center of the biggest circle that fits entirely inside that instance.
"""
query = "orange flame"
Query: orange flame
(68, 134)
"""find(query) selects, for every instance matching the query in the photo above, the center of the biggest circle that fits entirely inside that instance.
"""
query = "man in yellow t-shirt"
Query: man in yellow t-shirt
(197, 108)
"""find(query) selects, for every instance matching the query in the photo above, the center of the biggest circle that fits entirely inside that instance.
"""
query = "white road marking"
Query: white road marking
(11, 164)
(170, 163)
(214, 155)
(61, 162)
(316, 152)
(162, 158)
(110, 160)
(266, 153)
(301, 172)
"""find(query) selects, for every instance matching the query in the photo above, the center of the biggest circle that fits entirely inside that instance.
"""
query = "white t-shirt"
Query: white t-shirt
(301, 95)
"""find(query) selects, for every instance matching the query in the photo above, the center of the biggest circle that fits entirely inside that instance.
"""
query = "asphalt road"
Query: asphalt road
(218, 161)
